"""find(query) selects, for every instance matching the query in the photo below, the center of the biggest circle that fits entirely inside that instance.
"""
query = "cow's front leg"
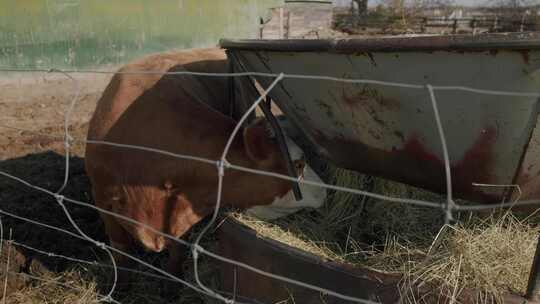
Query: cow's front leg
(182, 218)
(178, 254)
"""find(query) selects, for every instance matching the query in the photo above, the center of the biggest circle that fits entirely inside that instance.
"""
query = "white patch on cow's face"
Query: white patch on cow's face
(312, 197)
(294, 150)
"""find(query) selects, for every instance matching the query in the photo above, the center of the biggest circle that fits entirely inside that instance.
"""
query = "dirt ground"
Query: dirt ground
(32, 109)
(37, 103)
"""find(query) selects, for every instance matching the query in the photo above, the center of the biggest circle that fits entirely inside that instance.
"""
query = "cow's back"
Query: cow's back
(139, 76)
(166, 112)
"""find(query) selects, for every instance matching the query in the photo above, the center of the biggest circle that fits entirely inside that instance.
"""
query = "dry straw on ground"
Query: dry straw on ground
(492, 254)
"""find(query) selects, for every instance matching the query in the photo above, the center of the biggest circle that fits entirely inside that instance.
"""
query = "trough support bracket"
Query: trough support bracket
(265, 106)
(267, 110)
(534, 277)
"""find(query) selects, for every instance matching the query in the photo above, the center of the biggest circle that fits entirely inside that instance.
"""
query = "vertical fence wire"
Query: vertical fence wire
(222, 164)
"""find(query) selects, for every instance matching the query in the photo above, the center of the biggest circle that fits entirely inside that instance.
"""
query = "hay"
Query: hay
(85, 284)
(68, 287)
(492, 255)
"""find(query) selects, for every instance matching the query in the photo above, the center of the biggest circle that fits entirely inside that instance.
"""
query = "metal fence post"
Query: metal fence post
(534, 277)
(281, 25)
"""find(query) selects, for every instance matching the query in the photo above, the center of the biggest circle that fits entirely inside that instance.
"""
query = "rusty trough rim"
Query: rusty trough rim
(479, 42)
(388, 281)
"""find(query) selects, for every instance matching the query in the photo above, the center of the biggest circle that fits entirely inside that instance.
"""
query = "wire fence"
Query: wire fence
(222, 165)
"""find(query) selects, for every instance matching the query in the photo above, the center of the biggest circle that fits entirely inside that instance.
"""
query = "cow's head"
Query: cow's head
(262, 146)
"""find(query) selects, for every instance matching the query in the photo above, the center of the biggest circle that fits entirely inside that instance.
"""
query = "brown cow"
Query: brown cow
(170, 113)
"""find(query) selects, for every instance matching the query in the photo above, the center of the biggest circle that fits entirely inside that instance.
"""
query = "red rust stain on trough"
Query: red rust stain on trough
(414, 164)
(474, 167)
(479, 158)
(414, 147)
(524, 178)
(351, 101)
(369, 96)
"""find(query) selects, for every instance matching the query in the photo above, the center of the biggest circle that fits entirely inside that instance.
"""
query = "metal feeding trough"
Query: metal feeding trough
(243, 244)
(391, 132)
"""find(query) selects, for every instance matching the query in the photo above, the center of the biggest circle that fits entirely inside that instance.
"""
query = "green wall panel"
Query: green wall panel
(83, 33)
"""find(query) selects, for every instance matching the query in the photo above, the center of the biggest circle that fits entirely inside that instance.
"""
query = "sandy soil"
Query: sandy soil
(37, 103)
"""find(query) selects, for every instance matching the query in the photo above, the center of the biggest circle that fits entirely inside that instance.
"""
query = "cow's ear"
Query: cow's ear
(182, 215)
(257, 142)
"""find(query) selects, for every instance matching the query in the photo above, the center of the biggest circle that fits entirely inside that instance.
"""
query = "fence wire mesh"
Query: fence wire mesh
(222, 165)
